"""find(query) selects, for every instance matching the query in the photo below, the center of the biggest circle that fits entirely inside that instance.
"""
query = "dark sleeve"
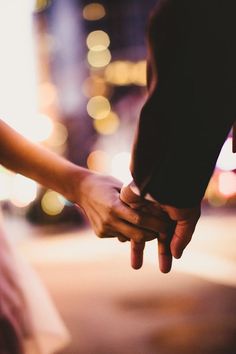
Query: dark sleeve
(190, 106)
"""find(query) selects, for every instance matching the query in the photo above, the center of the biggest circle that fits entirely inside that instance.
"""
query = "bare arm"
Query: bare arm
(34, 161)
(97, 195)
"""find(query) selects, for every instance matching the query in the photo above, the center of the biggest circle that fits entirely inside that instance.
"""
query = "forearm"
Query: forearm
(96, 194)
(190, 109)
(36, 162)
(174, 156)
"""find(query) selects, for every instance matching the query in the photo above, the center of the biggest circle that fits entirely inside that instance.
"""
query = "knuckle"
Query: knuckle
(162, 237)
(118, 208)
(98, 234)
(100, 231)
(139, 237)
(107, 219)
(111, 207)
(179, 237)
(137, 219)
(162, 226)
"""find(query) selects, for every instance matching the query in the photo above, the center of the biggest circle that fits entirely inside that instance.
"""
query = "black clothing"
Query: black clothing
(191, 99)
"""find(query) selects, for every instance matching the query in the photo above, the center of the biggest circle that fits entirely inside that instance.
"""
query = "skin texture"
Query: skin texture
(97, 195)
(188, 114)
(173, 240)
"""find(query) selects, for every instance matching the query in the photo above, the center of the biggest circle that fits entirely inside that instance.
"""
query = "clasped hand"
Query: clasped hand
(119, 212)
(179, 228)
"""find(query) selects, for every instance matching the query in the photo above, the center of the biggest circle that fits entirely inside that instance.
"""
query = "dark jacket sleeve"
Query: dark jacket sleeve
(191, 100)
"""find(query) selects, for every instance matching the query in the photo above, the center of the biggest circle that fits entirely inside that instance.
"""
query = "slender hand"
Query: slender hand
(96, 194)
(99, 197)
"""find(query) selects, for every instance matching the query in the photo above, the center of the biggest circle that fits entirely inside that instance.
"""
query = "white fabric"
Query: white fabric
(24, 298)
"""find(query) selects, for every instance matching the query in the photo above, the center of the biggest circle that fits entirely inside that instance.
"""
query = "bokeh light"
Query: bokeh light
(108, 125)
(6, 178)
(120, 167)
(217, 201)
(138, 74)
(98, 107)
(95, 86)
(122, 73)
(227, 159)
(98, 40)
(94, 12)
(52, 204)
(59, 135)
(47, 94)
(18, 67)
(23, 192)
(99, 161)
(99, 59)
(42, 130)
(227, 183)
(213, 195)
(41, 5)
(118, 73)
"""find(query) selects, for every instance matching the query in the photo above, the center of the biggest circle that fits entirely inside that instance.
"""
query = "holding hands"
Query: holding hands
(116, 211)
(125, 216)
(173, 239)
(112, 211)
(98, 197)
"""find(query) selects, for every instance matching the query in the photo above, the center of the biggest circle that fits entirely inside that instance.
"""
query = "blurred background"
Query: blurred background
(73, 78)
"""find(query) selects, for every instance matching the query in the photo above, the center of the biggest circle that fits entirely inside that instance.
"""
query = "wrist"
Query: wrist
(75, 181)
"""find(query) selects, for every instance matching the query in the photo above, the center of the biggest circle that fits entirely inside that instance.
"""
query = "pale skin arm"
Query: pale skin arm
(97, 195)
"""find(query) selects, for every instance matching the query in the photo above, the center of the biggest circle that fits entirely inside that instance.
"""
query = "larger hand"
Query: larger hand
(173, 240)
(186, 220)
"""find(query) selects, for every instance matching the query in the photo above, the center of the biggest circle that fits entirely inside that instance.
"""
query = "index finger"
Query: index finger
(140, 219)
(137, 249)
(149, 214)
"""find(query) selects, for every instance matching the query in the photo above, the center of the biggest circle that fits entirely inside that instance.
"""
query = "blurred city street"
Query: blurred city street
(74, 79)
(111, 309)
